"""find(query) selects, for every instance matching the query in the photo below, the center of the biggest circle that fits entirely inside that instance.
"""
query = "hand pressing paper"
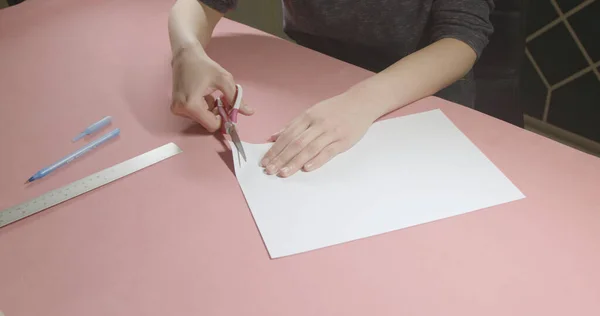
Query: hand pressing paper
(405, 171)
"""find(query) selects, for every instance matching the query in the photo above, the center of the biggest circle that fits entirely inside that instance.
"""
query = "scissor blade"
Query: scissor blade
(236, 140)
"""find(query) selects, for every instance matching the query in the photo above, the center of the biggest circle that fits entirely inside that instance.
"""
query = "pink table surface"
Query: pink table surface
(159, 242)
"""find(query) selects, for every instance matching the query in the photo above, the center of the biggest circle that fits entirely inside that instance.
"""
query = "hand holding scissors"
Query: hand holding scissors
(195, 78)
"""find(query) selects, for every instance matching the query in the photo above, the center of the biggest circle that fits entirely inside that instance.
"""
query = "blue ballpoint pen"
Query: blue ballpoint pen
(93, 128)
(80, 152)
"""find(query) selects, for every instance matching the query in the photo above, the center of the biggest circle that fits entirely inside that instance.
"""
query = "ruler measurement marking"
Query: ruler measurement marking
(87, 184)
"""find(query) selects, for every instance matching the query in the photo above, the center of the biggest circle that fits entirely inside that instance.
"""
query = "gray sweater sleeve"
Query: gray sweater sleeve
(464, 20)
(221, 5)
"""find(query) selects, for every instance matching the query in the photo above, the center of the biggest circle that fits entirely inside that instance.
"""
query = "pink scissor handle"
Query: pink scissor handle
(233, 114)
(223, 113)
(237, 103)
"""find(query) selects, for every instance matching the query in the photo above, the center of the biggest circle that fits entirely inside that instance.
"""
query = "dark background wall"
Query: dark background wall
(560, 81)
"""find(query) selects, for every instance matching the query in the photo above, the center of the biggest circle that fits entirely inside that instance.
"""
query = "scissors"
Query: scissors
(230, 119)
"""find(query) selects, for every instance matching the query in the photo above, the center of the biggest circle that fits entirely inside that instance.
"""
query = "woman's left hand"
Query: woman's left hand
(325, 130)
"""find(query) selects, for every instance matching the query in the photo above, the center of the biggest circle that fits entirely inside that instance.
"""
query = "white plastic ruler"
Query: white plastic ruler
(89, 183)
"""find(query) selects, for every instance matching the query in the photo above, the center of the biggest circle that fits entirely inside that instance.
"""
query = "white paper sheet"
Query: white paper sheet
(405, 171)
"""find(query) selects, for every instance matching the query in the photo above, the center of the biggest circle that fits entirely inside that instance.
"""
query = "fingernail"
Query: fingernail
(308, 166)
(284, 171)
(271, 169)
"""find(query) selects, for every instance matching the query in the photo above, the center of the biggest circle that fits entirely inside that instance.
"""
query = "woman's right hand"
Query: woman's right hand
(195, 77)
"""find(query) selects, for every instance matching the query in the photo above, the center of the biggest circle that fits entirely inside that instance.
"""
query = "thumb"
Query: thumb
(227, 86)
(245, 109)
(197, 109)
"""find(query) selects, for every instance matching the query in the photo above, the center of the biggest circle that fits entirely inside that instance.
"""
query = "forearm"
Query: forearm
(416, 76)
(191, 22)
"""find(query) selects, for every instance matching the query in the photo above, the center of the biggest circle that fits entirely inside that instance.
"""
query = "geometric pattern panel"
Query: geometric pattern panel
(540, 14)
(564, 54)
(556, 54)
(575, 107)
(587, 27)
